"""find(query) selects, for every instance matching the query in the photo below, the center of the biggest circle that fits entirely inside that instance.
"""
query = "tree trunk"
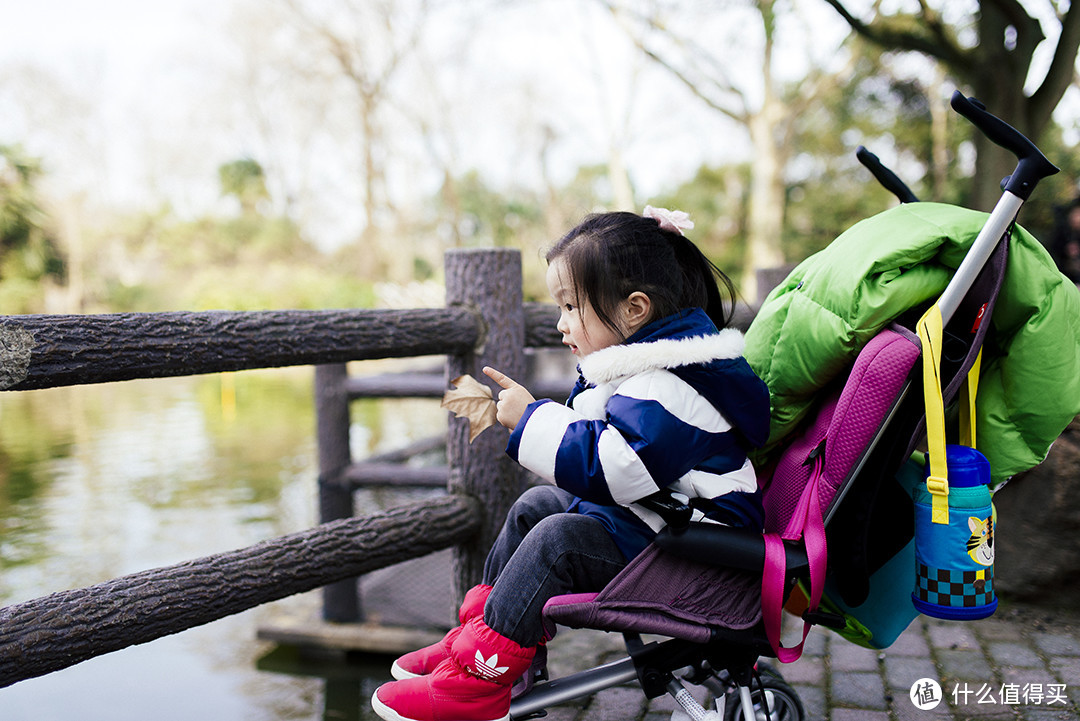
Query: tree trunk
(766, 222)
(940, 117)
(766, 215)
(999, 85)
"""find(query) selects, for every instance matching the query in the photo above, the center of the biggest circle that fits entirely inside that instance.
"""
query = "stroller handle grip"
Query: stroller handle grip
(888, 179)
(1032, 165)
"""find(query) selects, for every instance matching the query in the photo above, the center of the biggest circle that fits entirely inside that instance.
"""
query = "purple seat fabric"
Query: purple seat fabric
(663, 594)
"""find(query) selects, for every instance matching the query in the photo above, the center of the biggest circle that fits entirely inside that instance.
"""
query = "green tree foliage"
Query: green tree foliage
(827, 189)
(906, 118)
(157, 261)
(488, 217)
(472, 213)
(244, 180)
(29, 254)
(249, 262)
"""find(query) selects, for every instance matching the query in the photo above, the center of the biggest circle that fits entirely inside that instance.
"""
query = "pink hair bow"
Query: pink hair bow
(673, 220)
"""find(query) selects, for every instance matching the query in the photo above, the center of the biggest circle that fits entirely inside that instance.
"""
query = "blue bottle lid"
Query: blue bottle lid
(967, 467)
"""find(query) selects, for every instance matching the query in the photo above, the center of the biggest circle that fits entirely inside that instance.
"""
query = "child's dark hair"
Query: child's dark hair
(611, 255)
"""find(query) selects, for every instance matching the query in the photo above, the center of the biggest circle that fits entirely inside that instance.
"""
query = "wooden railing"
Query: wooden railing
(484, 322)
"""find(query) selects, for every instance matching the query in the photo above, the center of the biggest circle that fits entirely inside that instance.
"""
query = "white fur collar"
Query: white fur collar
(622, 361)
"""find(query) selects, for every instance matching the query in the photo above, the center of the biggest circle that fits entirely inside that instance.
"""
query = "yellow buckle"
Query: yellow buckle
(937, 486)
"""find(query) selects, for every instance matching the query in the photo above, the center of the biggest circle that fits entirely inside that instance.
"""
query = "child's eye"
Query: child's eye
(568, 307)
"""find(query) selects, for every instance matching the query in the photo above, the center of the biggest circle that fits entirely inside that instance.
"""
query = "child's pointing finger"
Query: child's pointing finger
(501, 378)
(513, 398)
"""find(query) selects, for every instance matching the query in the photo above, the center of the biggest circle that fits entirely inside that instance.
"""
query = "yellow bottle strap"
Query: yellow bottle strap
(968, 393)
(930, 330)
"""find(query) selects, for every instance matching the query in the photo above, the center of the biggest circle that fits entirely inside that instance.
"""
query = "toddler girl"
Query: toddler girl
(664, 401)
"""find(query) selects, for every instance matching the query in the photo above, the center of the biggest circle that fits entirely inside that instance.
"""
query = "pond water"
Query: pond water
(101, 481)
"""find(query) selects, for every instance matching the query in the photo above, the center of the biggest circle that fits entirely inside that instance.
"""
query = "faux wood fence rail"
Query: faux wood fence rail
(484, 323)
(44, 351)
(65, 628)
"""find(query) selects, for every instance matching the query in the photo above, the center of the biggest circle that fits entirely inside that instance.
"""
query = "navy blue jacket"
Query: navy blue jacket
(675, 406)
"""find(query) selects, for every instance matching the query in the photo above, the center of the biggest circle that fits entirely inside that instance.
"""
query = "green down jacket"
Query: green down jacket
(811, 327)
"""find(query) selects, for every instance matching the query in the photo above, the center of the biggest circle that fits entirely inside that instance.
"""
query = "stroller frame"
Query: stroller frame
(728, 663)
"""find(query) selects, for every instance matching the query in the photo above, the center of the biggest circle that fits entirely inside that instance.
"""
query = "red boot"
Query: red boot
(423, 661)
(473, 684)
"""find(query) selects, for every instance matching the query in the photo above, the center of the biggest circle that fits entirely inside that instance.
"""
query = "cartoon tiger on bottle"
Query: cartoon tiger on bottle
(981, 544)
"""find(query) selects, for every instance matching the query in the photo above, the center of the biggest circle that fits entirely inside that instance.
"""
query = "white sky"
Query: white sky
(126, 70)
(138, 112)
(143, 113)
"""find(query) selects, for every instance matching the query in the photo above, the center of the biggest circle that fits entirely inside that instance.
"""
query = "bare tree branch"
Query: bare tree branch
(1017, 15)
(924, 33)
(714, 76)
(1062, 71)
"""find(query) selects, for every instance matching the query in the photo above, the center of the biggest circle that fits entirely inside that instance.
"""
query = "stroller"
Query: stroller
(714, 593)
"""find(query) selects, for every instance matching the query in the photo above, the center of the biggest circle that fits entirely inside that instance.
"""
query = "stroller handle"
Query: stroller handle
(888, 179)
(1032, 165)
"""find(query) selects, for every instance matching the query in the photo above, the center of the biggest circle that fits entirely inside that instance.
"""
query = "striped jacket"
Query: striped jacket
(675, 406)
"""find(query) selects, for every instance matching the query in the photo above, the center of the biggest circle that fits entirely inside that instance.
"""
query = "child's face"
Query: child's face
(583, 332)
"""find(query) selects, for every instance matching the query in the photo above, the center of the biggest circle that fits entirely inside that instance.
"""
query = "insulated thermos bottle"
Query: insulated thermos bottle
(954, 561)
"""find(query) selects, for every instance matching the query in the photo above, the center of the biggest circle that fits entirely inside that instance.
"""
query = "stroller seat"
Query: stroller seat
(662, 593)
(709, 618)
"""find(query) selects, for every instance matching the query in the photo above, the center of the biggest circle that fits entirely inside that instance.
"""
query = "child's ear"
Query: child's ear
(637, 310)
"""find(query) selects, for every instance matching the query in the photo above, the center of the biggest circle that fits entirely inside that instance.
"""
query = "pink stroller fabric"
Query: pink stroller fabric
(847, 421)
(820, 461)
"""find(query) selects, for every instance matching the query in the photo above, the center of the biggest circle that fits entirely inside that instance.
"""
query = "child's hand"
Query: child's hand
(513, 398)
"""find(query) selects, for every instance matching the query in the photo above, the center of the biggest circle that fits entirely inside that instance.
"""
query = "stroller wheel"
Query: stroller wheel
(768, 670)
(782, 700)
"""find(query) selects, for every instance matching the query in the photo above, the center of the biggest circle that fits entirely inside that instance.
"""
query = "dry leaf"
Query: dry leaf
(471, 400)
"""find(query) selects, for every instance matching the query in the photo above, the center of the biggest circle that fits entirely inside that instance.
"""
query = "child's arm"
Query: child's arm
(642, 444)
(513, 398)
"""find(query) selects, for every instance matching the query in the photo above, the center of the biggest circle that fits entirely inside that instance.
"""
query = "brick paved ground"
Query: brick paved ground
(1022, 663)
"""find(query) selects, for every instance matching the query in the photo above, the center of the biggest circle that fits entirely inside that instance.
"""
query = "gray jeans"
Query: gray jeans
(542, 552)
